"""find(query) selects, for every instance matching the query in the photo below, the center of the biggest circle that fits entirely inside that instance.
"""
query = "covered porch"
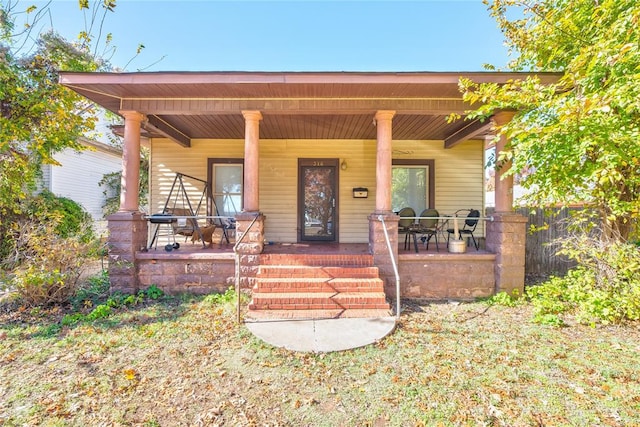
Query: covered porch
(430, 274)
(276, 126)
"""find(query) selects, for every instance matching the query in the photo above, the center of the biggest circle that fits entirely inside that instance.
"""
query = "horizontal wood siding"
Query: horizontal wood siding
(78, 176)
(459, 176)
(279, 180)
(459, 173)
(169, 158)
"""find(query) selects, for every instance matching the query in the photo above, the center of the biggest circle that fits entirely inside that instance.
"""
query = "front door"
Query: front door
(317, 199)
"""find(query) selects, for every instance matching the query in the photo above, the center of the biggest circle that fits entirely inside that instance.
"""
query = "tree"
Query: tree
(579, 139)
(39, 117)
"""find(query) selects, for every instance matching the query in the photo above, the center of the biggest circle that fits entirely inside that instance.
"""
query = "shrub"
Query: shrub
(43, 287)
(115, 301)
(154, 292)
(604, 288)
(221, 298)
(49, 265)
(41, 217)
(69, 217)
(89, 294)
(44, 248)
(513, 299)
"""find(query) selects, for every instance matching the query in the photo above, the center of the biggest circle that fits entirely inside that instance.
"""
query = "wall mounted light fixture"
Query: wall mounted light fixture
(343, 165)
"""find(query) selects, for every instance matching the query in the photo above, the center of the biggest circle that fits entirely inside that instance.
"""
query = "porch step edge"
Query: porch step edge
(319, 300)
(295, 285)
(277, 270)
(272, 315)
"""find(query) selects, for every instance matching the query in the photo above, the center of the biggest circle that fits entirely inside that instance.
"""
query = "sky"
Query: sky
(294, 35)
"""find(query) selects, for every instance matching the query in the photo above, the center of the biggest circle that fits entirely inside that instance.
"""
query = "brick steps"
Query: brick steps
(306, 286)
(300, 271)
(318, 284)
(318, 301)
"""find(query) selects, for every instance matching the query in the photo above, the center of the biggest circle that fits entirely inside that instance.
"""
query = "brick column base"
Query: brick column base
(378, 247)
(506, 237)
(127, 235)
(251, 247)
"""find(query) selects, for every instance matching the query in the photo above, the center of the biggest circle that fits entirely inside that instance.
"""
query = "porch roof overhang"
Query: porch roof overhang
(294, 105)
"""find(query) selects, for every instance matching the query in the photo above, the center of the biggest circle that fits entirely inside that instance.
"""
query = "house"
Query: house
(78, 176)
(318, 164)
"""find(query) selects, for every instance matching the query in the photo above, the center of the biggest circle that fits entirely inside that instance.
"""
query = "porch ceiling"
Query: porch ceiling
(184, 105)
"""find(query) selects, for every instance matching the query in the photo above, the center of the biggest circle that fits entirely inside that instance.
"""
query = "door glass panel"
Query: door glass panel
(227, 188)
(319, 203)
(409, 186)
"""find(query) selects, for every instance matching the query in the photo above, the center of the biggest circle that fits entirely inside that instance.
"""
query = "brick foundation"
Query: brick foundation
(506, 237)
(127, 235)
(446, 276)
(190, 272)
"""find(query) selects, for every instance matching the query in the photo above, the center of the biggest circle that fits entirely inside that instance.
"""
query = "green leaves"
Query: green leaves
(574, 137)
(38, 117)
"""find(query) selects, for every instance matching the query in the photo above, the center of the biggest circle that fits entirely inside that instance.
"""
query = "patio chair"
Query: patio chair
(470, 224)
(407, 216)
(428, 227)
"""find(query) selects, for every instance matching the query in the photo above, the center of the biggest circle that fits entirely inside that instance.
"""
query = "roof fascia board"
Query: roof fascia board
(76, 78)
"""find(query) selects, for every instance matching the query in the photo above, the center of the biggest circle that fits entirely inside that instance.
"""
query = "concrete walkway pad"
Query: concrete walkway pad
(322, 335)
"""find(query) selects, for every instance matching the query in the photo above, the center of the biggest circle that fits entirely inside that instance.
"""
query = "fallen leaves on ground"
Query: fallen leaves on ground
(190, 364)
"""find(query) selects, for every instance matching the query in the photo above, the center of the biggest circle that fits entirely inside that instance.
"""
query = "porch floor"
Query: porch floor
(195, 250)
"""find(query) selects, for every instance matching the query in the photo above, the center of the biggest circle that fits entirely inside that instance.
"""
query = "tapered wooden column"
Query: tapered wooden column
(130, 180)
(504, 183)
(383, 161)
(251, 160)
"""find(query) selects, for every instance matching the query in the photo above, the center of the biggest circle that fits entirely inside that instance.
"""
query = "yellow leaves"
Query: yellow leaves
(297, 404)
(271, 363)
(130, 374)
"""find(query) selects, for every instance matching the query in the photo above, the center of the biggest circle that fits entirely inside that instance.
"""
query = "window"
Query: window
(412, 184)
(226, 176)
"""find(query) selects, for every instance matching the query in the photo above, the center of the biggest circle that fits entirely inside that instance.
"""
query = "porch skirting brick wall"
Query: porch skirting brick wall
(447, 276)
(189, 272)
(127, 235)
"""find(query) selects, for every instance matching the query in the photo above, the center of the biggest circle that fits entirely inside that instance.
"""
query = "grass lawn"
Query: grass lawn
(184, 361)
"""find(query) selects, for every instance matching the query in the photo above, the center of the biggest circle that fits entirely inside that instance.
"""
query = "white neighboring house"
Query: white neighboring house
(79, 174)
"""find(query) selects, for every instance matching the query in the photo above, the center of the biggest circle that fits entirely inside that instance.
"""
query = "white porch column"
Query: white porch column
(251, 160)
(504, 184)
(383, 161)
(130, 180)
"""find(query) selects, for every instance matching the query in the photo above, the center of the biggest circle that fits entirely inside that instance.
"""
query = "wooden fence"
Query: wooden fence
(541, 259)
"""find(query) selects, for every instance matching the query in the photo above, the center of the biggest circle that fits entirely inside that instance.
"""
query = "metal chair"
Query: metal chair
(407, 216)
(428, 226)
(470, 224)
